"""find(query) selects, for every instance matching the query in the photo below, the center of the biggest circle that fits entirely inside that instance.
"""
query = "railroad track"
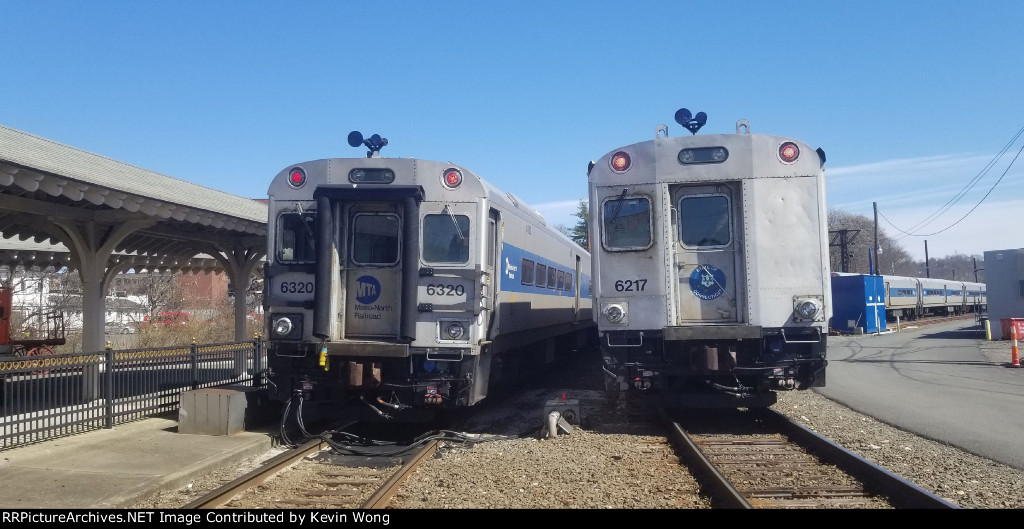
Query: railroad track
(929, 320)
(334, 486)
(759, 459)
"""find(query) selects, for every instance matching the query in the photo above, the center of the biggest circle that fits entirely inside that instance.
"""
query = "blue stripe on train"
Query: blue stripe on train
(511, 268)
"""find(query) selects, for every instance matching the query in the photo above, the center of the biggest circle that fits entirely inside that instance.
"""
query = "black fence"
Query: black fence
(45, 397)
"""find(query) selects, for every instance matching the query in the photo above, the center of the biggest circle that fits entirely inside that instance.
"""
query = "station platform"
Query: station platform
(115, 468)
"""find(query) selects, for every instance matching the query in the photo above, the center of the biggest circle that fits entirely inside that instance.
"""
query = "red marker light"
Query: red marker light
(620, 162)
(297, 177)
(452, 178)
(789, 152)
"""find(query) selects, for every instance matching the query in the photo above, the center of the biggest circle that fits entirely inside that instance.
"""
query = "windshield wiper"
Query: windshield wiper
(618, 206)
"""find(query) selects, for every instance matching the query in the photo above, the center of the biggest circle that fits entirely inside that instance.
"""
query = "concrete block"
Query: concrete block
(212, 411)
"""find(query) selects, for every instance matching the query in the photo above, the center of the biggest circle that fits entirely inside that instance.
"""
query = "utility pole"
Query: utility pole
(877, 264)
(927, 273)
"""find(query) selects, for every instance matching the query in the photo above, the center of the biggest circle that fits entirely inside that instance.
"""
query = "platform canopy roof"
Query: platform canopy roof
(42, 180)
(106, 217)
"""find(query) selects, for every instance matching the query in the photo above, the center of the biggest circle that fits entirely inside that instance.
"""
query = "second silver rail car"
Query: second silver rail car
(397, 285)
(710, 264)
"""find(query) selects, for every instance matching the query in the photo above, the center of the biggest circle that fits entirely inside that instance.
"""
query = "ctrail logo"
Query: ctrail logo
(367, 289)
(707, 282)
(510, 269)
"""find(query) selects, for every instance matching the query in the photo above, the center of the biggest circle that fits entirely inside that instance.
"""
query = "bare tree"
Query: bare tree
(892, 259)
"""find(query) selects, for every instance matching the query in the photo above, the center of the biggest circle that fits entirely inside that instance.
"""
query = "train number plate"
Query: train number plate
(293, 286)
(445, 291)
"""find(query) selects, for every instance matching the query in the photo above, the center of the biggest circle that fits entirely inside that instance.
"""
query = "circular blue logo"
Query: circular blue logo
(707, 282)
(367, 289)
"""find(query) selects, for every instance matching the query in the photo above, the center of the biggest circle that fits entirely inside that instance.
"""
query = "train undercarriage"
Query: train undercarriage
(714, 372)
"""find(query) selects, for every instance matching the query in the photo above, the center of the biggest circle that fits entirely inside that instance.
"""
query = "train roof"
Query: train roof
(740, 146)
(422, 172)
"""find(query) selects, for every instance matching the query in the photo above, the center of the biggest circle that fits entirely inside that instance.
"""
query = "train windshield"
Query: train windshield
(296, 239)
(375, 239)
(446, 238)
(627, 223)
(704, 221)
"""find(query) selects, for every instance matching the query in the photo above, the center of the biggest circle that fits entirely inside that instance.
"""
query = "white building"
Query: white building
(1004, 283)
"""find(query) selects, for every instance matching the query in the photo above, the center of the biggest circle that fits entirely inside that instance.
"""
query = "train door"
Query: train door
(374, 269)
(492, 283)
(707, 252)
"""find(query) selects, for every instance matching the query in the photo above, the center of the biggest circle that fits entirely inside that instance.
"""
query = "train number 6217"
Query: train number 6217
(630, 285)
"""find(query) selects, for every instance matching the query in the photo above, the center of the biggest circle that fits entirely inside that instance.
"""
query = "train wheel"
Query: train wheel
(42, 350)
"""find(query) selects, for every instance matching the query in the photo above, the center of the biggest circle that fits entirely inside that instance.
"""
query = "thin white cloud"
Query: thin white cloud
(561, 212)
(953, 202)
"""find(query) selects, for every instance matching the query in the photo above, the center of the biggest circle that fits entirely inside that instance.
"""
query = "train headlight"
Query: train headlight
(615, 312)
(807, 308)
(286, 326)
(454, 330)
(283, 327)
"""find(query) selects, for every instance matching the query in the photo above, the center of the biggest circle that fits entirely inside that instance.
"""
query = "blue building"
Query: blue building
(858, 301)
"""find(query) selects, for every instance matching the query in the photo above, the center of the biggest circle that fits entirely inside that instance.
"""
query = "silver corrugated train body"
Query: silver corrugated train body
(398, 285)
(710, 264)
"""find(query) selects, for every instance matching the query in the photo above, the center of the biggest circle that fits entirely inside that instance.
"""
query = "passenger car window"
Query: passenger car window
(526, 271)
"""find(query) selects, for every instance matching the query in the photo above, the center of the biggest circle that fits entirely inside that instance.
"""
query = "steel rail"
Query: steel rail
(382, 498)
(896, 490)
(900, 492)
(222, 495)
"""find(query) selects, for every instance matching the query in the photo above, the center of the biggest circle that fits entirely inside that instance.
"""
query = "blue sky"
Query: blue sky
(911, 100)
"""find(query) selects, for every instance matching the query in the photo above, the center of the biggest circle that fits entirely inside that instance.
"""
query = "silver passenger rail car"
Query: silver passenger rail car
(397, 286)
(710, 259)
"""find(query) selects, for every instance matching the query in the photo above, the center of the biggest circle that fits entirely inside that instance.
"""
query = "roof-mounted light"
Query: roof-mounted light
(371, 176)
(620, 162)
(789, 152)
(451, 178)
(703, 155)
(296, 177)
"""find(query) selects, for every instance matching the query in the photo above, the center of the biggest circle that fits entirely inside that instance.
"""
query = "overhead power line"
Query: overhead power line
(970, 185)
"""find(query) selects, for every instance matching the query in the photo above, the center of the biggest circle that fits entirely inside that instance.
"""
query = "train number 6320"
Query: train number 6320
(445, 290)
(296, 287)
(630, 285)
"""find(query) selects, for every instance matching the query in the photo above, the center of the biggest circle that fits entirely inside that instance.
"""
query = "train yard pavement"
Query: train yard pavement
(944, 381)
(113, 469)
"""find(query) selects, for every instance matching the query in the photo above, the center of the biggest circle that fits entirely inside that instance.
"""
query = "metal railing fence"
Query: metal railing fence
(45, 397)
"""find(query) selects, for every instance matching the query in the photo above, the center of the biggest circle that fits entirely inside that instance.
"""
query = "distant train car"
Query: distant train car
(902, 296)
(915, 297)
(397, 286)
(975, 297)
(710, 260)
